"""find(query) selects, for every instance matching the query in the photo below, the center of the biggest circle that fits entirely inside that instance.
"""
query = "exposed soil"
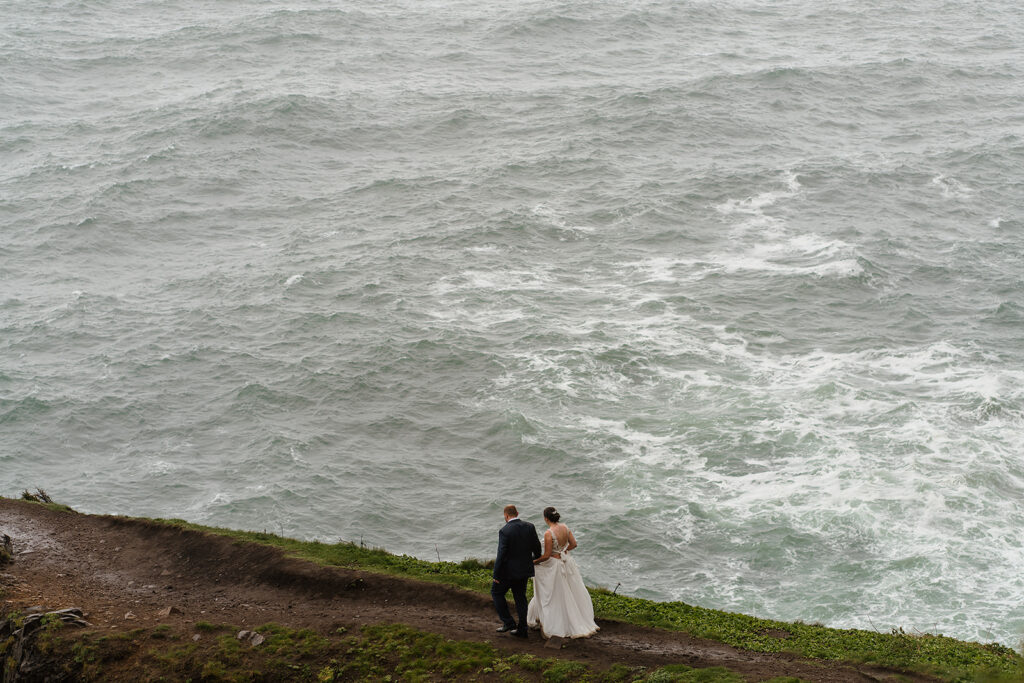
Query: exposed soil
(123, 572)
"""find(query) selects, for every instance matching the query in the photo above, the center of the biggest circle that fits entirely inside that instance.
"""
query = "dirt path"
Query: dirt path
(123, 572)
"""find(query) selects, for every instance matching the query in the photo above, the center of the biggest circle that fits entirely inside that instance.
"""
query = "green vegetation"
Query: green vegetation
(378, 653)
(947, 658)
(471, 574)
(940, 656)
(40, 496)
(937, 655)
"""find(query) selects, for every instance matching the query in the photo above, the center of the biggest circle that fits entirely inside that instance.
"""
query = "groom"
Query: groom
(517, 547)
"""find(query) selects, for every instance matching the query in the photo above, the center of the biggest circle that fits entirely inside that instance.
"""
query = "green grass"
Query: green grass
(395, 652)
(944, 657)
(378, 653)
(471, 574)
(938, 655)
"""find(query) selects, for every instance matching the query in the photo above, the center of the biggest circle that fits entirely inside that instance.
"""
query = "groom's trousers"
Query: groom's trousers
(518, 588)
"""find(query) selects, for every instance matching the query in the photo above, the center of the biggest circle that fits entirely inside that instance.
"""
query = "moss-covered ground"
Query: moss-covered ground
(376, 653)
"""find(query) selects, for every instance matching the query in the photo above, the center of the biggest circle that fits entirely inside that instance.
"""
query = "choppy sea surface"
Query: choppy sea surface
(738, 286)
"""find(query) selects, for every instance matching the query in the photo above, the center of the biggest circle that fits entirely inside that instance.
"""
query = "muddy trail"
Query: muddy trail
(127, 574)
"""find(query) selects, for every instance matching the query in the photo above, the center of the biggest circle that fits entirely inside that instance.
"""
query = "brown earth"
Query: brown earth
(122, 572)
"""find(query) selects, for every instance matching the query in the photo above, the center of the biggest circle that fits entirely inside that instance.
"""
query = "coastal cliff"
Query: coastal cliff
(86, 597)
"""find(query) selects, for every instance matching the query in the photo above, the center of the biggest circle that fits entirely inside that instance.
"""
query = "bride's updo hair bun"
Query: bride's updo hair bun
(552, 514)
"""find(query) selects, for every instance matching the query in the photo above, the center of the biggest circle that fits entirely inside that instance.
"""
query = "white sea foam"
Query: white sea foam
(558, 221)
(951, 188)
(161, 467)
(479, 318)
(739, 263)
(754, 204)
(896, 507)
(506, 280)
(624, 266)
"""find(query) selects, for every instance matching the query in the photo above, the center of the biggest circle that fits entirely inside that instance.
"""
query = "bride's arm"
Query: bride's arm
(547, 548)
(572, 540)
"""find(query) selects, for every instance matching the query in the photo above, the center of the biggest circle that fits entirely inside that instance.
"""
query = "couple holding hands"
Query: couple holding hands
(561, 605)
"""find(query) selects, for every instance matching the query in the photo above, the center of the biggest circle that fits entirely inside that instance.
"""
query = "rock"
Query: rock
(6, 550)
(129, 616)
(252, 637)
(554, 642)
(168, 611)
(196, 637)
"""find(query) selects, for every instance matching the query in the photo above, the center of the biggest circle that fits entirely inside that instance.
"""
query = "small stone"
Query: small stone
(256, 639)
(166, 572)
(196, 637)
(168, 611)
(554, 643)
(129, 615)
(242, 635)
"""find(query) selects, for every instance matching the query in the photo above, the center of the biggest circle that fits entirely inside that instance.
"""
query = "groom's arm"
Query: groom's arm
(537, 552)
(499, 560)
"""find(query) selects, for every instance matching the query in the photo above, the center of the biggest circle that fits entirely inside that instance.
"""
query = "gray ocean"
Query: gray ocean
(737, 286)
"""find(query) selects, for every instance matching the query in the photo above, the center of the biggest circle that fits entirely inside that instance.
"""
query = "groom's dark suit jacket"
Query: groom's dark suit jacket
(517, 547)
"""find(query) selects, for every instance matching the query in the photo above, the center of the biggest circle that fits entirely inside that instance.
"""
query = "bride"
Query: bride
(561, 605)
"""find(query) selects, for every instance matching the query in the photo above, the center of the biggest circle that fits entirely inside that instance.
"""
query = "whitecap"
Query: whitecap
(557, 221)
(754, 204)
(951, 187)
(296, 458)
(839, 269)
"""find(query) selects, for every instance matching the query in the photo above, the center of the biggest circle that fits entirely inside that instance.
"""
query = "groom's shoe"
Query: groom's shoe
(505, 628)
(520, 633)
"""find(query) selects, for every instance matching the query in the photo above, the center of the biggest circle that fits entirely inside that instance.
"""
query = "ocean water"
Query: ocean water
(735, 285)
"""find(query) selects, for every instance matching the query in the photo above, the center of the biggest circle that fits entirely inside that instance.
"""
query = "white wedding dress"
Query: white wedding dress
(561, 605)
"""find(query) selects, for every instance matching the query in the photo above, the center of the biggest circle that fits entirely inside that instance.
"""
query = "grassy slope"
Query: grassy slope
(945, 657)
(377, 653)
(948, 658)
